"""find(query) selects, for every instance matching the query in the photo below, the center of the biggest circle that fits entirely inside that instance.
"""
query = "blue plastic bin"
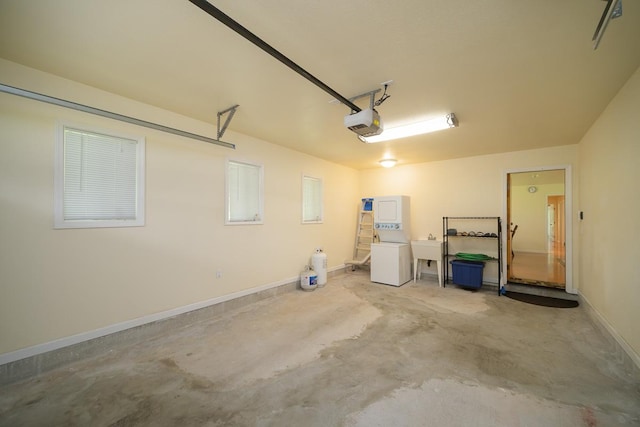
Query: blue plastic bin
(467, 273)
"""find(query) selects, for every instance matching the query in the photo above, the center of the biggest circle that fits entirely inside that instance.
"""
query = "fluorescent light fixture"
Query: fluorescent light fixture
(388, 163)
(426, 126)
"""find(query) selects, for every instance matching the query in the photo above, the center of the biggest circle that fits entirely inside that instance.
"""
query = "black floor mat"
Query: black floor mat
(543, 301)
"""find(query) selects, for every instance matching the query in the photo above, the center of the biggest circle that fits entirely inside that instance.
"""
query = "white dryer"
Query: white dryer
(391, 218)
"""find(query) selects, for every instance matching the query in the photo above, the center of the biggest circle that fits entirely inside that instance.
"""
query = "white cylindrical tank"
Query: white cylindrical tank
(319, 263)
(308, 280)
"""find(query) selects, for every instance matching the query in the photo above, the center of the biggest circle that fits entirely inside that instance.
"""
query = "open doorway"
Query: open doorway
(536, 238)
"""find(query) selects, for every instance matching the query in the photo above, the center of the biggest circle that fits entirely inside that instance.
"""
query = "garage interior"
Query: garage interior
(187, 317)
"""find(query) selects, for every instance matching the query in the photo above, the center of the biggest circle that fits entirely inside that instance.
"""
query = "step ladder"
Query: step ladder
(365, 235)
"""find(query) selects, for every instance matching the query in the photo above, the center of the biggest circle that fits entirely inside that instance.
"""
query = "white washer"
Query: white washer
(390, 263)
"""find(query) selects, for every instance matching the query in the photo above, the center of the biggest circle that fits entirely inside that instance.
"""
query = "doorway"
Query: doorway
(538, 216)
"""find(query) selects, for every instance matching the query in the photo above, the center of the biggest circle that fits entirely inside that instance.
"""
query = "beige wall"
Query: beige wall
(472, 186)
(57, 283)
(610, 232)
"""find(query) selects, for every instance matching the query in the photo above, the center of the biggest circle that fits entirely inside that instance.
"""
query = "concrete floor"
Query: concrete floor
(350, 354)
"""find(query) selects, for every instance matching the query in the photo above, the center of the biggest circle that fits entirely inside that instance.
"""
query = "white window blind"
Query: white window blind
(311, 199)
(244, 193)
(101, 180)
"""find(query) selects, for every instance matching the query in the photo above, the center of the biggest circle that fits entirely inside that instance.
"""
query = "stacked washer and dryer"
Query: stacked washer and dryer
(391, 257)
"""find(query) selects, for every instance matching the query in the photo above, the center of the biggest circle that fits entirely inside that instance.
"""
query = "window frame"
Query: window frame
(228, 190)
(59, 179)
(320, 181)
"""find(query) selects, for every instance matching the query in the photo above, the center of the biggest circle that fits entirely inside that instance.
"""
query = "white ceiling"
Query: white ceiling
(518, 74)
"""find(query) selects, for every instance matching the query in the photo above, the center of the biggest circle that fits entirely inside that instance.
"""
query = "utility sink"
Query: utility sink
(430, 250)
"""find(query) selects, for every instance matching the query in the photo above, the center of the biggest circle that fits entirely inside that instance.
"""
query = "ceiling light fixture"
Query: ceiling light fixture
(388, 163)
(425, 126)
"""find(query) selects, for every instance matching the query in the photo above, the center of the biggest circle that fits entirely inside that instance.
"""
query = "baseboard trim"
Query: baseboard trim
(31, 361)
(627, 356)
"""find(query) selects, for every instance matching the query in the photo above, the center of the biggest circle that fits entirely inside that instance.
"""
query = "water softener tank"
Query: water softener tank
(319, 263)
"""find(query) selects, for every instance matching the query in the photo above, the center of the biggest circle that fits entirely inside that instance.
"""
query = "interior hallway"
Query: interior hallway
(350, 354)
(545, 269)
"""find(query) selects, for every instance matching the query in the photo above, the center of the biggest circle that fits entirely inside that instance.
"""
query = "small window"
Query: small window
(244, 201)
(99, 179)
(311, 199)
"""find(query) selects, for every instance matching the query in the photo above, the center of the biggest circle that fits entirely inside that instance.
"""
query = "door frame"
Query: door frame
(568, 218)
(558, 221)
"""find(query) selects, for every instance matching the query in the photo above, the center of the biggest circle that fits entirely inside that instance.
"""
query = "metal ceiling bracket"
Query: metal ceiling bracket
(371, 94)
(612, 10)
(231, 111)
(111, 115)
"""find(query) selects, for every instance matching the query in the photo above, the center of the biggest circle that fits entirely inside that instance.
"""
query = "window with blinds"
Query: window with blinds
(311, 199)
(99, 179)
(244, 195)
